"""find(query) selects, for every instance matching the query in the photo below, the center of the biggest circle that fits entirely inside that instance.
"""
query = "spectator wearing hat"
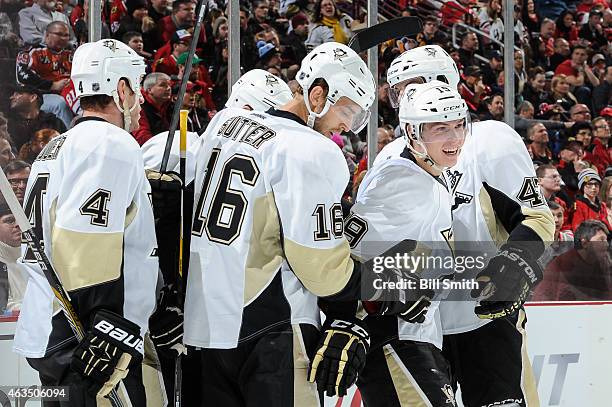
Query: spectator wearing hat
(328, 24)
(566, 27)
(538, 147)
(137, 19)
(34, 20)
(598, 65)
(269, 55)
(491, 71)
(47, 67)
(602, 94)
(295, 49)
(199, 116)
(587, 204)
(26, 117)
(469, 46)
(431, 33)
(597, 152)
(592, 30)
(583, 272)
(472, 89)
(157, 92)
(561, 53)
(534, 89)
(178, 45)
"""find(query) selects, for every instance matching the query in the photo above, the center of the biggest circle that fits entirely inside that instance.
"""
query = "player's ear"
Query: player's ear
(317, 97)
(123, 89)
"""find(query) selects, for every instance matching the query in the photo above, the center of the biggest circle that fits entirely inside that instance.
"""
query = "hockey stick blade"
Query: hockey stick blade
(34, 243)
(388, 30)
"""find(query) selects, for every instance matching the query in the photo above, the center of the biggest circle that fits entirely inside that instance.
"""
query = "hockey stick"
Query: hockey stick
(35, 246)
(379, 33)
(200, 12)
(178, 371)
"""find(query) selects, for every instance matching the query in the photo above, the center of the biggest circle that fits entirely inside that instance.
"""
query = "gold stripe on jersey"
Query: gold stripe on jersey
(408, 392)
(130, 213)
(323, 272)
(541, 222)
(79, 267)
(528, 383)
(265, 252)
(498, 233)
(304, 393)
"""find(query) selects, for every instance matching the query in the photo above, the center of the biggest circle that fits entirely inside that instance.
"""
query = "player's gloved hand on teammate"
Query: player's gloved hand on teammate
(410, 304)
(505, 283)
(108, 351)
(166, 325)
(340, 356)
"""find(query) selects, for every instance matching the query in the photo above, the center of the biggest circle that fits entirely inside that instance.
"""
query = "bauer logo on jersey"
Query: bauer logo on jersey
(530, 192)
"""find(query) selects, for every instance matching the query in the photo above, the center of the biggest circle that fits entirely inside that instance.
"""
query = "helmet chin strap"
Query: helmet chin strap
(126, 110)
(312, 116)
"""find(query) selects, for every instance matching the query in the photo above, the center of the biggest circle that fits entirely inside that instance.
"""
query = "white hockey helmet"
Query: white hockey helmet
(346, 75)
(426, 63)
(98, 66)
(260, 90)
(432, 102)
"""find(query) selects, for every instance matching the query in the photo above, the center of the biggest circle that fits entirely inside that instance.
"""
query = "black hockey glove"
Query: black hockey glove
(107, 352)
(166, 325)
(410, 303)
(505, 283)
(340, 357)
(165, 193)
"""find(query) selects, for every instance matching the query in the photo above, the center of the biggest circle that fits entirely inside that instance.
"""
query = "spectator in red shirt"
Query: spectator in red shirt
(542, 45)
(157, 92)
(579, 73)
(587, 205)
(455, 12)
(581, 273)
(472, 89)
(46, 67)
(183, 16)
(179, 44)
(585, 6)
(597, 153)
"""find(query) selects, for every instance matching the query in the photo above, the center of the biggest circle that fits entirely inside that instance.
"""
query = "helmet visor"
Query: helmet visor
(349, 115)
(445, 131)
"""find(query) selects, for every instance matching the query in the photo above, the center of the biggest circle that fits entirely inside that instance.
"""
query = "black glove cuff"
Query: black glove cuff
(122, 333)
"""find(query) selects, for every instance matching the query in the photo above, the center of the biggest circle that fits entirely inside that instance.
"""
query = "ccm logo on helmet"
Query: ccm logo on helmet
(447, 108)
(120, 335)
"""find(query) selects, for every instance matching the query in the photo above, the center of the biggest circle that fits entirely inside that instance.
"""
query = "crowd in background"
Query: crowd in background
(562, 82)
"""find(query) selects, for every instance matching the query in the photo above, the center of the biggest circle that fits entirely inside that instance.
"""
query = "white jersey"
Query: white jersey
(267, 227)
(153, 152)
(496, 192)
(87, 197)
(398, 201)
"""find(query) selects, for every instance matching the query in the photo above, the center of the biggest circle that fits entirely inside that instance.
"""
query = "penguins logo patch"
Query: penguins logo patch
(431, 52)
(339, 53)
(110, 44)
(271, 80)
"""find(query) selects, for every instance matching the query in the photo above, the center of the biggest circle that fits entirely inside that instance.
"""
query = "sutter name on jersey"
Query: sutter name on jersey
(246, 131)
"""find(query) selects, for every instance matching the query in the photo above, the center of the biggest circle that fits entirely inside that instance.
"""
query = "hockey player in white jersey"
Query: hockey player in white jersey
(497, 203)
(87, 199)
(406, 199)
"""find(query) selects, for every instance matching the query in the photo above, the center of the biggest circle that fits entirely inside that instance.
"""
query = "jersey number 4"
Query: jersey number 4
(33, 210)
(530, 192)
(223, 219)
